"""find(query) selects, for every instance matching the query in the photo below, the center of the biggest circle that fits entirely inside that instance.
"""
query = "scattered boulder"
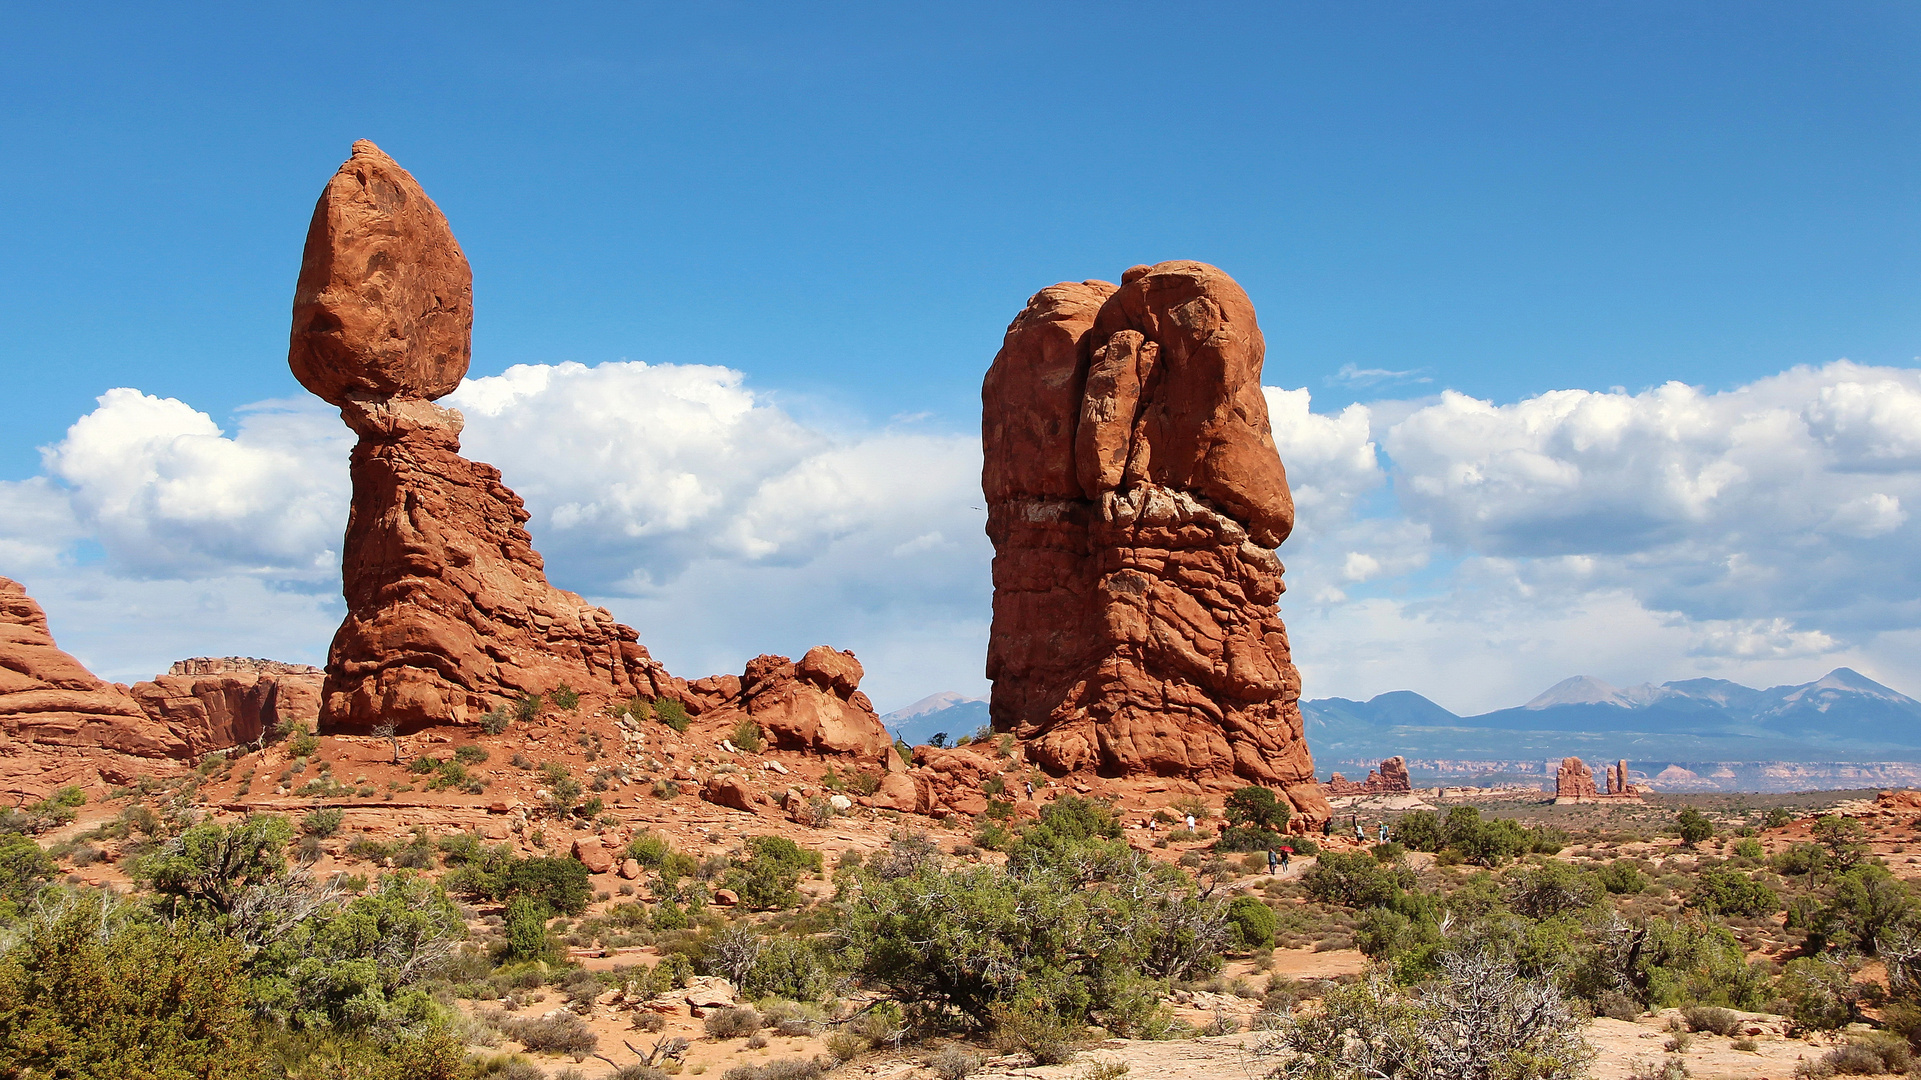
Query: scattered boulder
(630, 869)
(726, 898)
(593, 855)
(730, 791)
(1135, 497)
(449, 611)
(709, 992)
(814, 704)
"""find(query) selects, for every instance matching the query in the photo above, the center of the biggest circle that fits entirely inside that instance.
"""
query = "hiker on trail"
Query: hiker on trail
(1360, 834)
(1190, 823)
(1383, 832)
(1285, 853)
(1273, 861)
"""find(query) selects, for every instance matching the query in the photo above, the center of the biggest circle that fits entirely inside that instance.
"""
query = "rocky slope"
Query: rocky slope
(1135, 497)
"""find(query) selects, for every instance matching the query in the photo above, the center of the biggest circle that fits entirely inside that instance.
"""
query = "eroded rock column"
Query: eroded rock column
(1135, 498)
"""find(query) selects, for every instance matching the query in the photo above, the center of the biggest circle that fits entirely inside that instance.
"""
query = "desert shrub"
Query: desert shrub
(1875, 1054)
(1480, 1018)
(1817, 994)
(1616, 1005)
(89, 988)
(471, 754)
(953, 1063)
(1749, 848)
(648, 848)
(795, 968)
(1037, 1031)
(354, 966)
(566, 697)
(215, 864)
(1779, 817)
(1867, 903)
(732, 1023)
(780, 1069)
(303, 743)
(1710, 1019)
(1072, 928)
(766, 872)
(1841, 838)
(24, 869)
(672, 713)
(527, 708)
(1253, 922)
(1692, 826)
(1257, 807)
(1622, 877)
(1720, 891)
(1550, 890)
(747, 736)
(496, 720)
(562, 1033)
(1355, 880)
(322, 823)
(1663, 963)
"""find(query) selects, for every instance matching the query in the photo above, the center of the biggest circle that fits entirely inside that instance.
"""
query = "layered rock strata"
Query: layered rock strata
(449, 611)
(1135, 498)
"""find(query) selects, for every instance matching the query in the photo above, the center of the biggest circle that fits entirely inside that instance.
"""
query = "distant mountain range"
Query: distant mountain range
(947, 711)
(1842, 717)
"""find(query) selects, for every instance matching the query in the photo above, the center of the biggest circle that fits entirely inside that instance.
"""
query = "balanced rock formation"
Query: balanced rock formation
(813, 704)
(449, 611)
(1390, 779)
(218, 702)
(49, 698)
(1135, 497)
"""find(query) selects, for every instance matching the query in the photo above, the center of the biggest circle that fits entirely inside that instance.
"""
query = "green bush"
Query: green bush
(1253, 922)
(355, 966)
(214, 864)
(1622, 878)
(24, 869)
(1692, 826)
(496, 720)
(747, 736)
(794, 968)
(1355, 880)
(527, 709)
(525, 929)
(566, 697)
(1749, 848)
(471, 754)
(89, 989)
(322, 823)
(1867, 903)
(1720, 891)
(1550, 890)
(766, 872)
(1256, 807)
(648, 849)
(672, 713)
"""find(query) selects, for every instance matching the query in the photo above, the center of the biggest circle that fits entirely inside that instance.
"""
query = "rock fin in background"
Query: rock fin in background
(1135, 498)
(449, 611)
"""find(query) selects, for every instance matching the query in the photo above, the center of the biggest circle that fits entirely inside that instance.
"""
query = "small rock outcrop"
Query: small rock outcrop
(449, 611)
(1135, 498)
(1390, 779)
(813, 704)
(217, 702)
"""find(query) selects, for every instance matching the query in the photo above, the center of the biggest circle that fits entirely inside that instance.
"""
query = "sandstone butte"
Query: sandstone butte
(449, 611)
(1135, 499)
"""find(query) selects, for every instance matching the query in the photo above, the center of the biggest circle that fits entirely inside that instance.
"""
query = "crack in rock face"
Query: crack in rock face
(1135, 498)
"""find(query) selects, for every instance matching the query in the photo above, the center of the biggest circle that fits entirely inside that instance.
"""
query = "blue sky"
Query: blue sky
(845, 204)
